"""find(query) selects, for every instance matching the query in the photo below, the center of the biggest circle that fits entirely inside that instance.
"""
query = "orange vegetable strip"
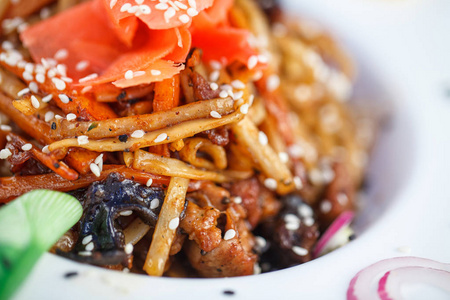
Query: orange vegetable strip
(48, 160)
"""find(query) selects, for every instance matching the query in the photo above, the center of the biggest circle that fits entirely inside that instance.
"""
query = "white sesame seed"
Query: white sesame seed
(181, 5)
(47, 98)
(258, 75)
(33, 87)
(27, 76)
(214, 76)
(273, 82)
(237, 200)
(229, 234)
(192, 12)
(138, 134)
(64, 98)
(342, 199)
(51, 73)
(284, 157)
(35, 102)
(184, 18)
(5, 127)
(173, 5)
(85, 253)
(88, 77)
(252, 62)
(160, 138)
(223, 94)
(404, 249)
(145, 9)
(39, 69)
(5, 153)
(237, 84)
(125, 7)
(292, 226)
(161, 6)
(270, 183)
(126, 213)
(44, 13)
(238, 95)
(215, 65)
(154, 203)
(71, 117)
(89, 247)
(155, 72)
(291, 218)
(214, 86)
(169, 13)
(244, 108)
(29, 67)
(173, 224)
(99, 159)
(325, 206)
(61, 54)
(263, 58)
(112, 3)
(129, 75)
(7, 45)
(40, 78)
(129, 248)
(315, 176)
(133, 9)
(299, 251)
(58, 117)
(215, 114)
(95, 169)
(86, 240)
(49, 116)
(308, 221)
(149, 182)
(251, 98)
(192, 3)
(231, 93)
(83, 140)
(298, 182)
(59, 84)
(86, 89)
(45, 150)
(296, 151)
(82, 65)
(262, 137)
(27, 147)
(23, 92)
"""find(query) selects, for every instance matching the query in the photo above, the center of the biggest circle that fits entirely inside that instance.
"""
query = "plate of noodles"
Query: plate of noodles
(243, 149)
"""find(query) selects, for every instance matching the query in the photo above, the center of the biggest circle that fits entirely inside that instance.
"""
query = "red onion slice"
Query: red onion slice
(335, 228)
(389, 286)
(362, 286)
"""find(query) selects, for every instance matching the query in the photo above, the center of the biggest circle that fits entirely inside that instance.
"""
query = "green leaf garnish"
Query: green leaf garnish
(29, 226)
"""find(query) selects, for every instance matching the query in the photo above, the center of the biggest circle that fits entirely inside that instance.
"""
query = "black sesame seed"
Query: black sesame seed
(53, 126)
(121, 96)
(123, 138)
(352, 237)
(228, 292)
(70, 274)
(56, 165)
(225, 200)
(203, 252)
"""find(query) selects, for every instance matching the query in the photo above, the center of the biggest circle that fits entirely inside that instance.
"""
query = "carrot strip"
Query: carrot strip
(48, 160)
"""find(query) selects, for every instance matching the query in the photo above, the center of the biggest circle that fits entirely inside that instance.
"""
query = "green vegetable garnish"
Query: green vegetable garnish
(29, 226)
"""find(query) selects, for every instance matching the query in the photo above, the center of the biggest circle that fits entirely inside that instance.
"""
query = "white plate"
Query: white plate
(403, 47)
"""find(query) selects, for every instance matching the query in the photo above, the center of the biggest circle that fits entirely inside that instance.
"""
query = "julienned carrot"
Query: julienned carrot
(81, 159)
(14, 186)
(167, 96)
(48, 160)
(86, 108)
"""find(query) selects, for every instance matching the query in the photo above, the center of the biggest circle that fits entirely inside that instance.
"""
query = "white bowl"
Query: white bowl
(402, 48)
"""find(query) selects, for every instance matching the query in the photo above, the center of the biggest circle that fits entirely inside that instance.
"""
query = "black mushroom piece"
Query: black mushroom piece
(101, 240)
(291, 236)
